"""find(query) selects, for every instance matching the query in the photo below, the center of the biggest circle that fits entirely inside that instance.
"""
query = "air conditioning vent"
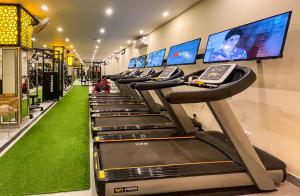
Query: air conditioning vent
(141, 42)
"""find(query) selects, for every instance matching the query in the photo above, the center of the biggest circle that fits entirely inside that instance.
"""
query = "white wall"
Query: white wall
(270, 109)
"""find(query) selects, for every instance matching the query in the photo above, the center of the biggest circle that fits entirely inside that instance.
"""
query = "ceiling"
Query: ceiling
(81, 21)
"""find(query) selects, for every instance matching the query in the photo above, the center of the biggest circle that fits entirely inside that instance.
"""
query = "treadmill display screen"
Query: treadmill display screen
(146, 72)
(184, 53)
(141, 61)
(167, 72)
(258, 40)
(132, 63)
(155, 59)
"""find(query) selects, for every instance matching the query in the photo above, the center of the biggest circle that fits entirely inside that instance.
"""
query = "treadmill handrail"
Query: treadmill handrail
(116, 78)
(129, 80)
(115, 75)
(223, 91)
(154, 85)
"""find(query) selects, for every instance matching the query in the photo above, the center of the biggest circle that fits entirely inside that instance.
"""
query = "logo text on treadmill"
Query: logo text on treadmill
(126, 189)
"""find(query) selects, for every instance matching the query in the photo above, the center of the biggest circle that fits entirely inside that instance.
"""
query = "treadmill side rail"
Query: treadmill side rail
(232, 128)
(179, 183)
(177, 112)
(133, 127)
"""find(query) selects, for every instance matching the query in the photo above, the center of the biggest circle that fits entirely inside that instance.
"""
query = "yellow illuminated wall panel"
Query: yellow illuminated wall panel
(8, 25)
(59, 49)
(26, 29)
(70, 60)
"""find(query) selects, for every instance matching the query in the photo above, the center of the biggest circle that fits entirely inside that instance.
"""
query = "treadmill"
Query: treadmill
(125, 106)
(172, 122)
(163, 124)
(144, 105)
(209, 160)
(124, 91)
(101, 94)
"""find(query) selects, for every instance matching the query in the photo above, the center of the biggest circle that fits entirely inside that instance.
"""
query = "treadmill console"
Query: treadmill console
(133, 73)
(146, 72)
(215, 74)
(167, 72)
(125, 72)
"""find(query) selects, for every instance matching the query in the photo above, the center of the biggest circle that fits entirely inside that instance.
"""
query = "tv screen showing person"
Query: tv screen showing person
(132, 63)
(184, 53)
(262, 39)
(141, 61)
(155, 59)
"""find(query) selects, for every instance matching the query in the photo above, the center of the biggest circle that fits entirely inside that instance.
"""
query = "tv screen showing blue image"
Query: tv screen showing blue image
(141, 61)
(155, 59)
(184, 53)
(258, 40)
(132, 63)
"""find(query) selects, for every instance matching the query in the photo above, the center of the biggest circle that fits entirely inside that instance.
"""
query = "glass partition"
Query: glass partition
(9, 97)
(25, 84)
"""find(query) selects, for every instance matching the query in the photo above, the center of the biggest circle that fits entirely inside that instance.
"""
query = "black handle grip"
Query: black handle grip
(116, 78)
(128, 81)
(159, 84)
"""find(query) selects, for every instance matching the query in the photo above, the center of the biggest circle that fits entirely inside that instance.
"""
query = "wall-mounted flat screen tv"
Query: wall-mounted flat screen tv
(141, 61)
(155, 59)
(184, 53)
(258, 40)
(132, 63)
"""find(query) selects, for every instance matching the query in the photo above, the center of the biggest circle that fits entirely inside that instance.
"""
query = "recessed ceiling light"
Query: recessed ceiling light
(166, 13)
(98, 40)
(59, 29)
(102, 30)
(121, 47)
(67, 39)
(129, 41)
(109, 11)
(45, 46)
(96, 46)
(33, 39)
(141, 32)
(44, 7)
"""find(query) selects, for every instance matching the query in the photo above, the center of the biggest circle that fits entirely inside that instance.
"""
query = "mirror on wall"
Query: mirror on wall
(25, 84)
(9, 71)
(1, 88)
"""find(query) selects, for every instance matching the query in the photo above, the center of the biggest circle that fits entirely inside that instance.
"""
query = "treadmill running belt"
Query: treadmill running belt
(131, 120)
(110, 99)
(108, 94)
(120, 107)
(156, 152)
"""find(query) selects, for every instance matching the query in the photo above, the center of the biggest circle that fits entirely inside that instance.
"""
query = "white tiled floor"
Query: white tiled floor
(286, 189)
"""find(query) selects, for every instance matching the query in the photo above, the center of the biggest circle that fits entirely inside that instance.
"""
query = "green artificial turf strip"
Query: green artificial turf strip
(25, 110)
(53, 156)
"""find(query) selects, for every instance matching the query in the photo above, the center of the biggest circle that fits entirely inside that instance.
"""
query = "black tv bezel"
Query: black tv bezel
(194, 62)
(259, 58)
(165, 49)
(137, 60)
(134, 64)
